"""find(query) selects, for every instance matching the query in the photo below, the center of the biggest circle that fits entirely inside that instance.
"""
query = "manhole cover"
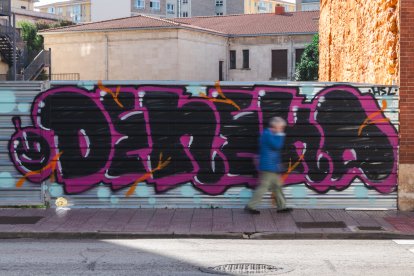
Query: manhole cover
(19, 220)
(246, 269)
(321, 224)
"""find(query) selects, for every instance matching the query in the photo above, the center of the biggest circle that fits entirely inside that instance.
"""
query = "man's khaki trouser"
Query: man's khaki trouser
(268, 181)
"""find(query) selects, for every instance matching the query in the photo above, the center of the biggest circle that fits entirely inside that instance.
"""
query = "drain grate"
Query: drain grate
(19, 220)
(370, 228)
(246, 269)
(321, 224)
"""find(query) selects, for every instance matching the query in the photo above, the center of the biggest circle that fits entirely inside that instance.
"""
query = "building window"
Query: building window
(140, 4)
(219, 13)
(263, 7)
(59, 11)
(280, 64)
(185, 14)
(232, 59)
(155, 5)
(298, 54)
(23, 7)
(219, 3)
(185, 1)
(170, 8)
(311, 7)
(246, 59)
(76, 14)
(51, 10)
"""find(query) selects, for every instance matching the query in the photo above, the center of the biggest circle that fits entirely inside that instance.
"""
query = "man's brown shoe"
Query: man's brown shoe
(251, 211)
(284, 210)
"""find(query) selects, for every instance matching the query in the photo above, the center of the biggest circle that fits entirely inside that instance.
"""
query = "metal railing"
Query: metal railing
(9, 36)
(46, 77)
(65, 77)
(35, 68)
(9, 77)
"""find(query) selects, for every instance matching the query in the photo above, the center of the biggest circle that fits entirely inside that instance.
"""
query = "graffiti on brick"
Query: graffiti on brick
(166, 136)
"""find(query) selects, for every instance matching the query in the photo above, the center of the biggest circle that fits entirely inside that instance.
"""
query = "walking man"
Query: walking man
(270, 167)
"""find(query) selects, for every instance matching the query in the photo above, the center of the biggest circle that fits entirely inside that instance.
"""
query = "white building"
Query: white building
(308, 5)
(252, 47)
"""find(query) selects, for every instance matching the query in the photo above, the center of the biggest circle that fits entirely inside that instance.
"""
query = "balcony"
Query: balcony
(5, 7)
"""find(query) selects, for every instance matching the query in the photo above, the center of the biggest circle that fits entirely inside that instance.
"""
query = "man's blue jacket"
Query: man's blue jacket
(270, 146)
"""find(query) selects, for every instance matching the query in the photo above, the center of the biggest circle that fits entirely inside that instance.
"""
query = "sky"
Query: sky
(43, 2)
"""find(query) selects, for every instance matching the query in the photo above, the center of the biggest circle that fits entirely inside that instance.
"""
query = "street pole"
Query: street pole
(14, 49)
(50, 64)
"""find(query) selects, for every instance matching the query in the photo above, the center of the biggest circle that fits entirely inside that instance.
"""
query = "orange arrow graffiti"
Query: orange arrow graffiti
(286, 175)
(161, 165)
(51, 165)
(371, 121)
(110, 92)
(223, 99)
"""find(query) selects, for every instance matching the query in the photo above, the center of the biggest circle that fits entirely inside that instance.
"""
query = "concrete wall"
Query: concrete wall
(138, 55)
(109, 9)
(83, 53)
(199, 56)
(261, 55)
(166, 55)
(144, 55)
(359, 41)
(234, 7)
(202, 7)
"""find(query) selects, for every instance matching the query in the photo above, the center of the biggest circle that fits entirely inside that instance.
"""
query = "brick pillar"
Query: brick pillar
(406, 168)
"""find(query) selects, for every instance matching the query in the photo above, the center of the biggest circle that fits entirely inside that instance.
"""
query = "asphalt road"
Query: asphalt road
(185, 257)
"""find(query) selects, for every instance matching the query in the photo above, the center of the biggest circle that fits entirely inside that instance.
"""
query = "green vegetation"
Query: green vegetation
(308, 67)
(34, 41)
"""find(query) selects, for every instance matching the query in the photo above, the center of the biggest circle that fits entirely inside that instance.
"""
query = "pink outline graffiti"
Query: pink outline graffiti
(81, 184)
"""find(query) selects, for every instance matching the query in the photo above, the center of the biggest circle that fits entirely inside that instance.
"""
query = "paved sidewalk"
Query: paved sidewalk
(205, 223)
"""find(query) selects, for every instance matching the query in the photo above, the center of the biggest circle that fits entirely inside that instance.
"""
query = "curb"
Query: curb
(253, 236)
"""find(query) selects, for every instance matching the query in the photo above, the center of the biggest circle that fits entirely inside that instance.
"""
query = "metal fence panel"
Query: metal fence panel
(15, 101)
(188, 144)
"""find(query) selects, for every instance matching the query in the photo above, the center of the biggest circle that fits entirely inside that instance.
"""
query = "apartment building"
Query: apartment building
(109, 9)
(308, 5)
(267, 6)
(78, 11)
(24, 10)
(23, 4)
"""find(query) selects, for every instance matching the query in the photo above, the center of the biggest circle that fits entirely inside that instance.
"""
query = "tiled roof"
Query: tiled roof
(244, 24)
(133, 22)
(253, 24)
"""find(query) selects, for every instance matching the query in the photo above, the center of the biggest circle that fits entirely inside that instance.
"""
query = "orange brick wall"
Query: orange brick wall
(407, 82)
(359, 41)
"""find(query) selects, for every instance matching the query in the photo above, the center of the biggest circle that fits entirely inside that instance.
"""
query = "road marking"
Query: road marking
(404, 242)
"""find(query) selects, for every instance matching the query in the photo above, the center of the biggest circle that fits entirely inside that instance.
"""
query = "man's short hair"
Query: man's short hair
(277, 121)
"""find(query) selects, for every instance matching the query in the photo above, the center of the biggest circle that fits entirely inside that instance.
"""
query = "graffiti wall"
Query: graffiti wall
(192, 144)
